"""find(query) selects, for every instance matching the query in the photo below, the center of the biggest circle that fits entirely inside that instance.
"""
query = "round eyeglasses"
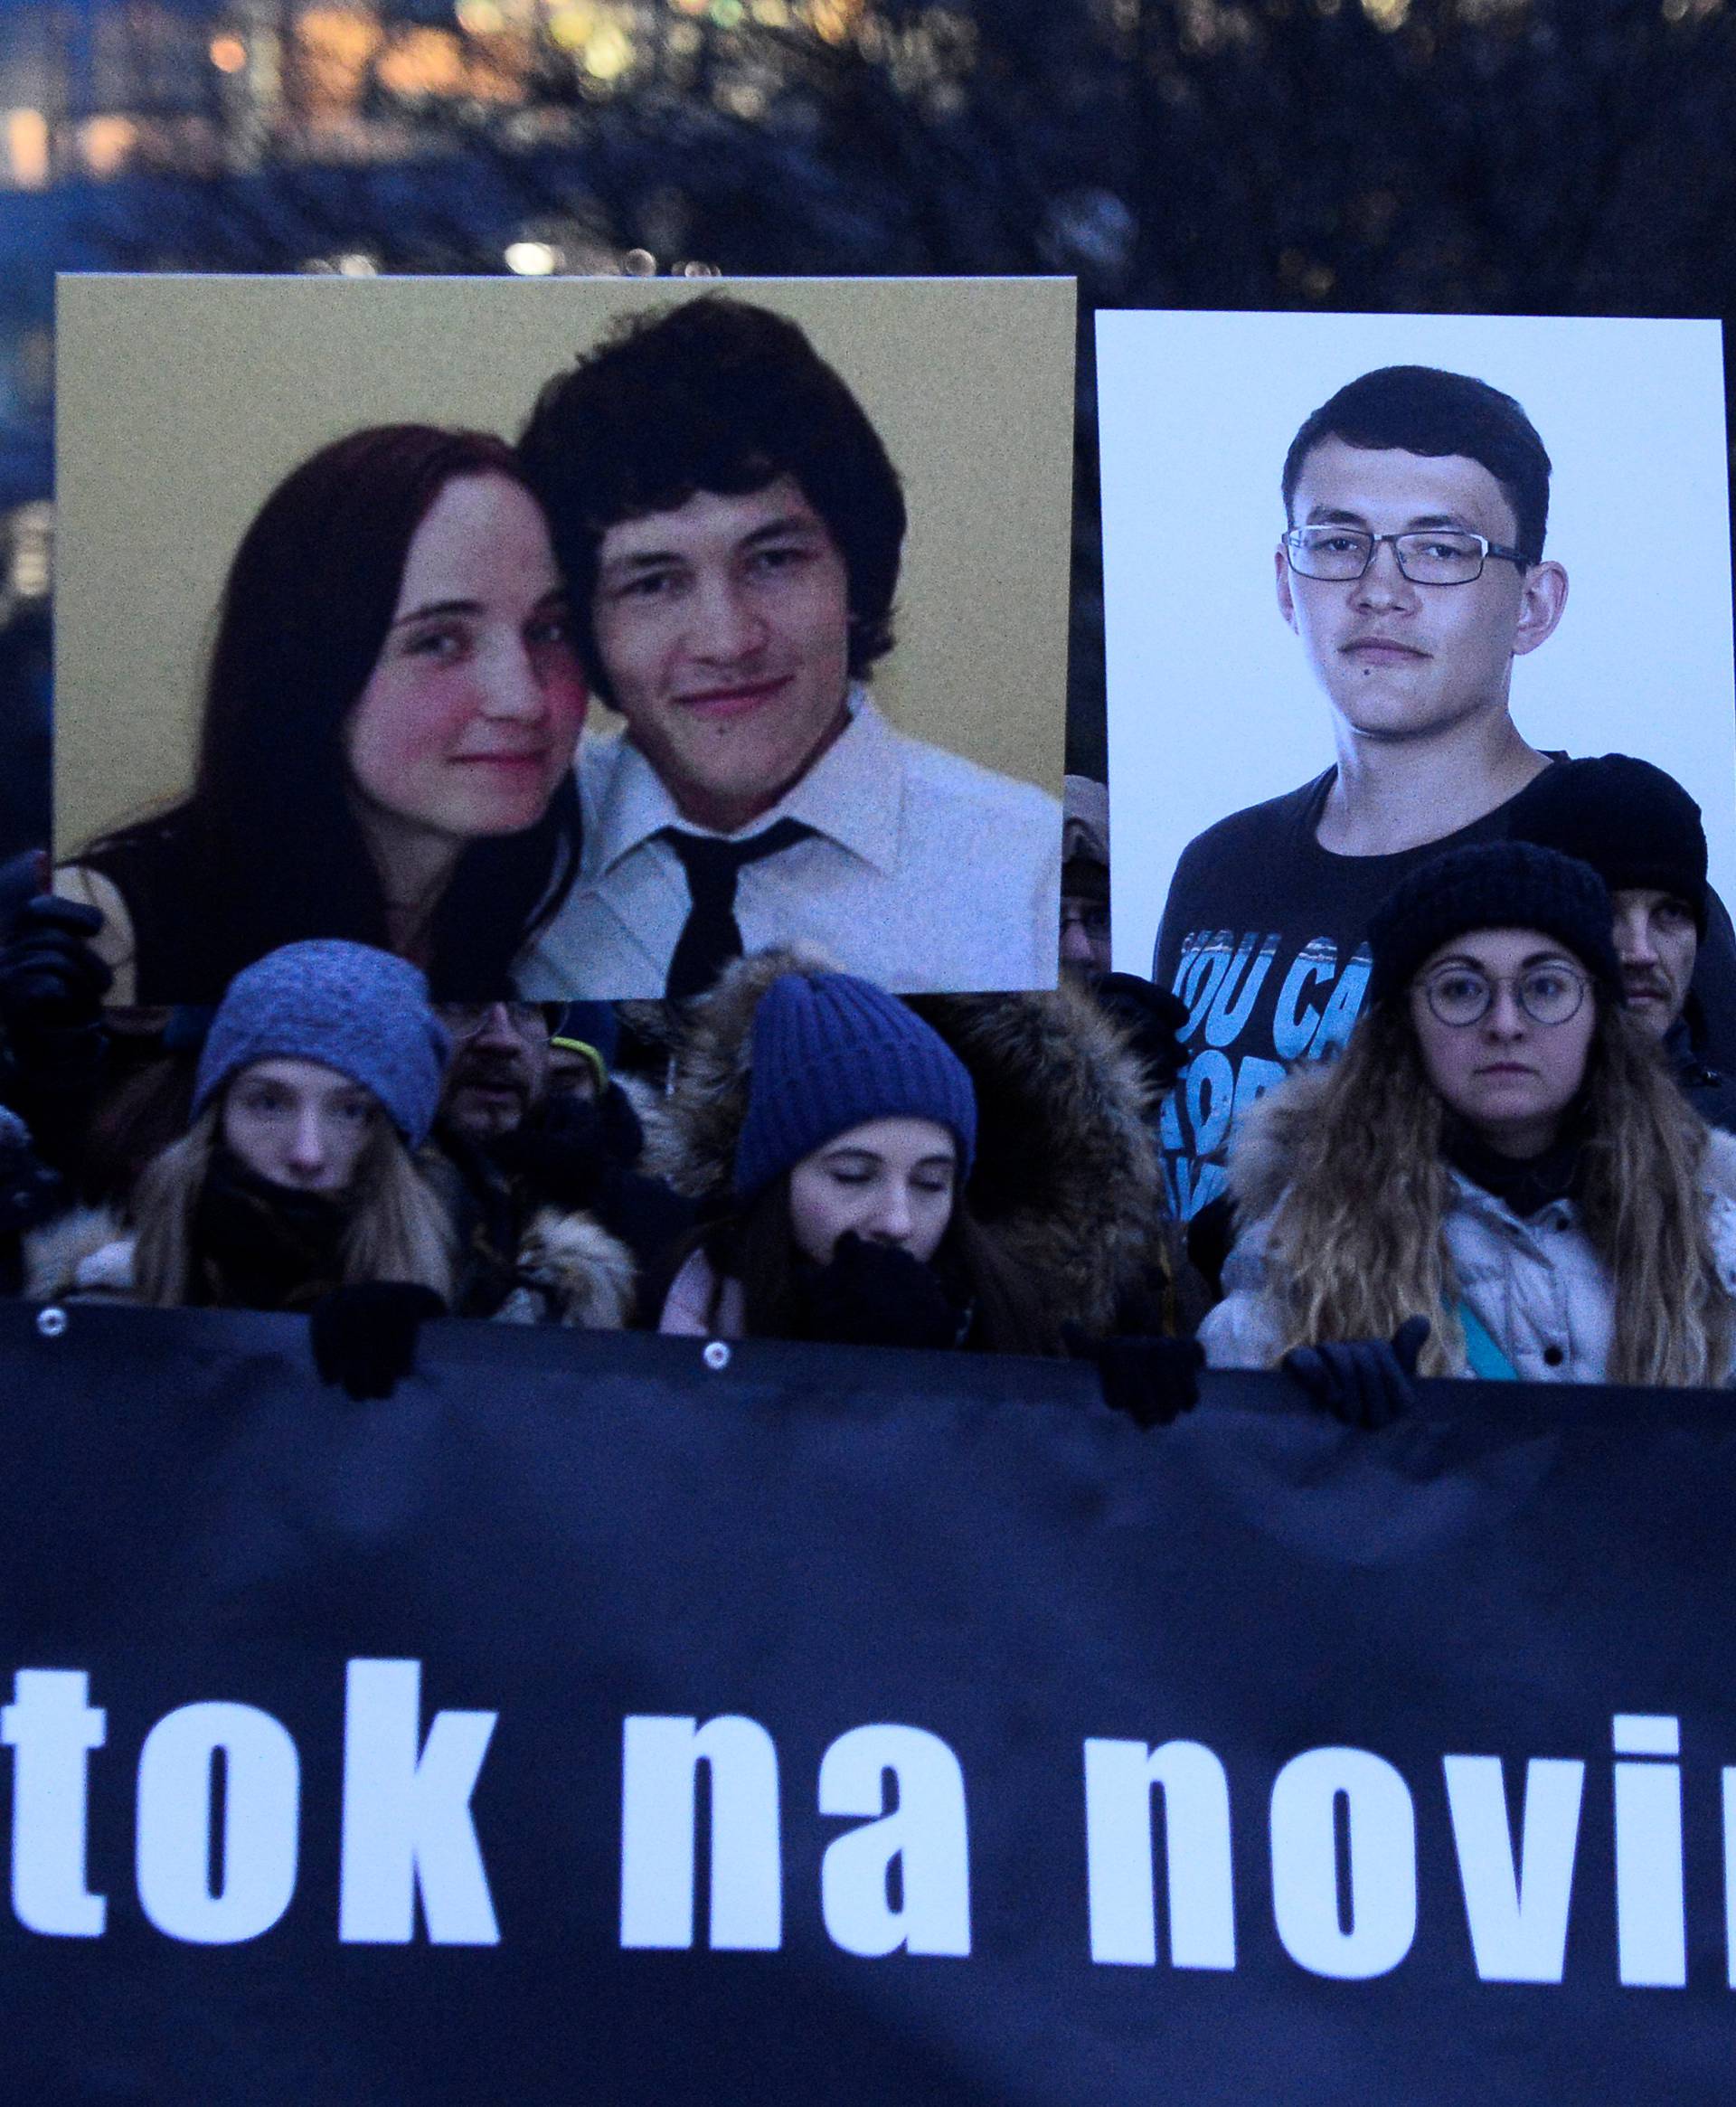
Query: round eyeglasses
(1458, 996)
(1432, 556)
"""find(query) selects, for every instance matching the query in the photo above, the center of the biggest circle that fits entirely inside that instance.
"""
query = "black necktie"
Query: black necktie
(712, 935)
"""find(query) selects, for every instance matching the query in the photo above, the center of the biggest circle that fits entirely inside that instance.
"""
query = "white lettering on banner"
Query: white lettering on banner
(1369, 1930)
(1651, 1919)
(51, 1731)
(923, 1836)
(1730, 1876)
(218, 1811)
(406, 1814)
(1516, 1912)
(407, 1826)
(1199, 1891)
(261, 1823)
(659, 1762)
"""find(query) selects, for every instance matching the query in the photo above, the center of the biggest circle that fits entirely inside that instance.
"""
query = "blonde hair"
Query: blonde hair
(1356, 1242)
(398, 1229)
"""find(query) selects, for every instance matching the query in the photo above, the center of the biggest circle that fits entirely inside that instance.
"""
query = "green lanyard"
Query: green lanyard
(1485, 1358)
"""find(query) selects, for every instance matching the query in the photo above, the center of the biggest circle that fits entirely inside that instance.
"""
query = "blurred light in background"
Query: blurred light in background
(26, 147)
(531, 258)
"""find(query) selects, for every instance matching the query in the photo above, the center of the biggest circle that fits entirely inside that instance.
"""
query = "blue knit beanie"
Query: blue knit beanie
(831, 1052)
(349, 1007)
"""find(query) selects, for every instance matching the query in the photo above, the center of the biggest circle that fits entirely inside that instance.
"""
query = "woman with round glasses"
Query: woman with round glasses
(1499, 1151)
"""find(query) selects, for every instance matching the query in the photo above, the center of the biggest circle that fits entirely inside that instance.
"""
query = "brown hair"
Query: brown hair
(399, 1229)
(756, 1248)
(1356, 1245)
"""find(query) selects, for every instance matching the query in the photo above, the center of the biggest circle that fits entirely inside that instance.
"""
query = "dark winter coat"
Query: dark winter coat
(1065, 1178)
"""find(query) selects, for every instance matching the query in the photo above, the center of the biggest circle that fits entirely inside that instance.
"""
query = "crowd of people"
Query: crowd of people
(1500, 1149)
(796, 1154)
(1518, 1166)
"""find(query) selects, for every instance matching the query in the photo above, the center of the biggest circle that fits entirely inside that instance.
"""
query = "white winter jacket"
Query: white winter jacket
(1538, 1287)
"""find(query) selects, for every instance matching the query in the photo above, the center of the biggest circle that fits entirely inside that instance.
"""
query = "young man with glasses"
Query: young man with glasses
(1411, 569)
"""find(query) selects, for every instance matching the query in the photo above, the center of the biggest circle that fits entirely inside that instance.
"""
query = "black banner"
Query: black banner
(588, 1723)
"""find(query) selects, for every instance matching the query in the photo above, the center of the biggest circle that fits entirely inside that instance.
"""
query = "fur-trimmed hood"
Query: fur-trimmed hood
(571, 1271)
(1066, 1175)
(1718, 1172)
(87, 1253)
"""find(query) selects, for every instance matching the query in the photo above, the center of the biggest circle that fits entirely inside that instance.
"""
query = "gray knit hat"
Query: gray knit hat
(349, 1007)
(831, 1052)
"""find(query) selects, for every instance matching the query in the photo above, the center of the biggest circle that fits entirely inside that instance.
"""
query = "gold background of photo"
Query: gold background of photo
(181, 401)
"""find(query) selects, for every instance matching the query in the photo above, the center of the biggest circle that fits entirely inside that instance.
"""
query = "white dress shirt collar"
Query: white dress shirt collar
(851, 795)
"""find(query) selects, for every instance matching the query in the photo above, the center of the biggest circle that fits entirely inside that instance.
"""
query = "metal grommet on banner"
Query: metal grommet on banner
(716, 1356)
(52, 1322)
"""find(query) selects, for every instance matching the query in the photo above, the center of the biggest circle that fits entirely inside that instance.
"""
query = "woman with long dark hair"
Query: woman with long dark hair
(390, 712)
(1499, 1154)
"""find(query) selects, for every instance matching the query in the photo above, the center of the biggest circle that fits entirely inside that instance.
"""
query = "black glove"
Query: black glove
(876, 1295)
(1151, 1017)
(365, 1334)
(51, 980)
(22, 878)
(29, 1191)
(1153, 1380)
(1366, 1382)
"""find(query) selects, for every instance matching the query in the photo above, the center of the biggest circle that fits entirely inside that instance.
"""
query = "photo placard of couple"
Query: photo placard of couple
(565, 636)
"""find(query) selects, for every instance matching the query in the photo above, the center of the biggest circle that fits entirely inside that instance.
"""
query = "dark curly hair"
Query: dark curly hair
(713, 394)
(1422, 410)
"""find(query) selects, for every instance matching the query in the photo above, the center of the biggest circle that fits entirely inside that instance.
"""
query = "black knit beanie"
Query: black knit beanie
(1633, 823)
(1495, 884)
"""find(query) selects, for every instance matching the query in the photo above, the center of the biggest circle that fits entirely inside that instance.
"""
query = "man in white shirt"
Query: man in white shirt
(729, 525)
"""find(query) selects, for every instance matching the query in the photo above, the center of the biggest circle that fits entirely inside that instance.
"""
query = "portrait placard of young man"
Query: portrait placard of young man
(731, 525)
(582, 716)
(1408, 497)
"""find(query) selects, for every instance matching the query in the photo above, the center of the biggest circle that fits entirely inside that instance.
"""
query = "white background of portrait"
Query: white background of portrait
(181, 401)
(1212, 705)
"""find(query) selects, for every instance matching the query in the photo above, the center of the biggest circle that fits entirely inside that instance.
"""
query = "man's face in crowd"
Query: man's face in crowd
(1084, 936)
(499, 1070)
(1657, 944)
(724, 627)
(1398, 659)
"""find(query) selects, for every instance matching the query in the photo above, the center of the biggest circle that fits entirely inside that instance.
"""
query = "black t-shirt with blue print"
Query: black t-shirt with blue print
(1263, 938)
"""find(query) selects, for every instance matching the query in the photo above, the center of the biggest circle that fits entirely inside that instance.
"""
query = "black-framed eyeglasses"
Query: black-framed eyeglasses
(1429, 556)
(1460, 995)
(463, 1020)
